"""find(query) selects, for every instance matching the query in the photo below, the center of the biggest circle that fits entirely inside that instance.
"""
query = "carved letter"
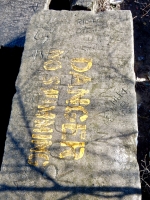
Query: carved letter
(76, 99)
(124, 91)
(52, 101)
(43, 123)
(41, 126)
(77, 108)
(71, 117)
(74, 129)
(41, 136)
(45, 108)
(79, 79)
(54, 80)
(51, 93)
(81, 60)
(42, 142)
(45, 115)
(44, 156)
(72, 149)
(40, 147)
(32, 159)
(53, 63)
(43, 129)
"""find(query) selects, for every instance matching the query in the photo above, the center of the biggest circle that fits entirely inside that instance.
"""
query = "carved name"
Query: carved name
(45, 116)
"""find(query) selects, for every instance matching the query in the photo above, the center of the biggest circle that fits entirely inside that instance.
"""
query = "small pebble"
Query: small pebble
(140, 58)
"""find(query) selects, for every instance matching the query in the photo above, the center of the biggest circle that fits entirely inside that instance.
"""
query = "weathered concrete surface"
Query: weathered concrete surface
(14, 19)
(74, 114)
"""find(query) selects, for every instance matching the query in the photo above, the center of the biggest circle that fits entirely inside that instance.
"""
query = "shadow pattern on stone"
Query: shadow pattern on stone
(83, 177)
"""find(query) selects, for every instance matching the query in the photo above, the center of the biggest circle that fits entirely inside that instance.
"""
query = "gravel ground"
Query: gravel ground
(141, 18)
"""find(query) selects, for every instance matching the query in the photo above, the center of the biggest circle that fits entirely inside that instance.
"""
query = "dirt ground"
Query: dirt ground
(141, 18)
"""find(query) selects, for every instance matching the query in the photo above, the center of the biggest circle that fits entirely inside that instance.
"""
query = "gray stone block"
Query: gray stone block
(15, 16)
(73, 127)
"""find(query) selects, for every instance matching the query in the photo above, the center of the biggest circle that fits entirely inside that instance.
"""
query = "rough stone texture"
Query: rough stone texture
(77, 50)
(95, 5)
(84, 3)
(14, 19)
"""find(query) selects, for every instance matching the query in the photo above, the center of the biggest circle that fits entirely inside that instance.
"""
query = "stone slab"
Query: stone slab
(14, 19)
(73, 127)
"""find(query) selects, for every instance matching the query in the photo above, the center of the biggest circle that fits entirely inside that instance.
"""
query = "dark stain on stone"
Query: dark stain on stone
(77, 7)
(59, 5)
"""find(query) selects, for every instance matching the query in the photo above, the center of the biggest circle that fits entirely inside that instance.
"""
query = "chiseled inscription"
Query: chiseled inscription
(76, 107)
(45, 118)
(115, 101)
(53, 62)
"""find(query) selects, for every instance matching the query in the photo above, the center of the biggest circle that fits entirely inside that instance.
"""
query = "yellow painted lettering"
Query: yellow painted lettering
(50, 92)
(79, 79)
(33, 157)
(55, 65)
(41, 136)
(71, 127)
(76, 99)
(53, 62)
(74, 128)
(40, 148)
(46, 108)
(55, 54)
(52, 96)
(81, 61)
(77, 108)
(51, 101)
(72, 117)
(32, 160)
(44, 156)
(71, 152)
(54, 80)
(45, 115)
(43, 129)
(43, 123)
(42, 142)
(82, 128)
